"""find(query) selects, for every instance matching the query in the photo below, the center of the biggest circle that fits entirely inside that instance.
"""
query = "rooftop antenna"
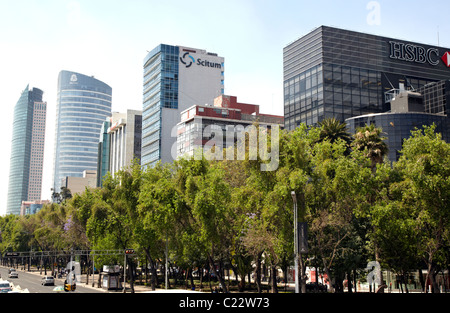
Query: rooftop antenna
(438, 35)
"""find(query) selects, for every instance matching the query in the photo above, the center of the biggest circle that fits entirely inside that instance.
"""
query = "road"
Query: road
(32, 282)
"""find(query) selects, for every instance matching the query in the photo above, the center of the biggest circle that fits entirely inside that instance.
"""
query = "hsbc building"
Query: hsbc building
(357, 78)
(332, 72)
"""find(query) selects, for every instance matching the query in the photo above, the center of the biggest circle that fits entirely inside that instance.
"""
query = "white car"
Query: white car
(48, 280)
(5, 286)
(13, 275)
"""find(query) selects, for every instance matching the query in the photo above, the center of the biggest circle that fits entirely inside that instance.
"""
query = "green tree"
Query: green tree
(425, 193)
(208, 195)
(396, 234)
(156, 196)
(330, 198)
(371, 143)
(114, 214)
(13, 234)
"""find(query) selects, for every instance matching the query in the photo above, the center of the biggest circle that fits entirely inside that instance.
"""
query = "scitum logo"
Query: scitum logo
(446, 58)
(190, 59)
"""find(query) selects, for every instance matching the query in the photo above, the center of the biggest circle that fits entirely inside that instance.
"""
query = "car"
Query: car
(5, 286)
(316, 287)
(13, 275)
(47, 280)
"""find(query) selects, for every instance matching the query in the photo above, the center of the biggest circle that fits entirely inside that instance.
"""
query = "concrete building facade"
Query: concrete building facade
(219, 125)
(125, 135)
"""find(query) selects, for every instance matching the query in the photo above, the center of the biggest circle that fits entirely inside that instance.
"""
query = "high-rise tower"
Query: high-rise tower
(83, 103)
(27, 150)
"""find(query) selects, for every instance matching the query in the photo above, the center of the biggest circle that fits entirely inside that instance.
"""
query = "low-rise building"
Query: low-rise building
(32, 207)
(79, 184)
(219, 125)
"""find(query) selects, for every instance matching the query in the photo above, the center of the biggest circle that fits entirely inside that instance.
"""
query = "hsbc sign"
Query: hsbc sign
(414, 53)
(417, 54)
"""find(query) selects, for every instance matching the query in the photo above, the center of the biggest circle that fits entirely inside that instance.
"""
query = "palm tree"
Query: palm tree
(332, 129)
(370, 140)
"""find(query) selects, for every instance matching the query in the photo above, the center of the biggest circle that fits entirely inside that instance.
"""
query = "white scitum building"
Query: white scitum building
(175, 78)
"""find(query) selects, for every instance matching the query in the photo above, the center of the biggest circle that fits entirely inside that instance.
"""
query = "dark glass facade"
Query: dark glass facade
(137, 146)
(337, 73)
(103, 153)
(436, 96)
(398, 126)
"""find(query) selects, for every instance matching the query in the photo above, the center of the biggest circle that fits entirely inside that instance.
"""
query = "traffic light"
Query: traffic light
(129, 251)
(67, 287)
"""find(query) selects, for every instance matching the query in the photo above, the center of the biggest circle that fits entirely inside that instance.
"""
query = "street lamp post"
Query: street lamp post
(297, 275)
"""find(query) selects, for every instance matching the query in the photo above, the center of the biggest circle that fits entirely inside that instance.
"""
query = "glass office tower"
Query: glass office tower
(83, 104)
(27, 150)
(175, 78)
(160, 91)
(103, 152)
(338, 73)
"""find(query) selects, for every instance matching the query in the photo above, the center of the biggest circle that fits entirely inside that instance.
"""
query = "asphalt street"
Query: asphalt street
(32, 282)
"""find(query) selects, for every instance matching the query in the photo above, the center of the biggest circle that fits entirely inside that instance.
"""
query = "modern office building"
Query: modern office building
(175, 78)
(83, 103)
(219, 125)
(103, 152)
(409, 111)
(120, 143)
(27, 150)
(436, 96)
(125, 135)
(332, 72)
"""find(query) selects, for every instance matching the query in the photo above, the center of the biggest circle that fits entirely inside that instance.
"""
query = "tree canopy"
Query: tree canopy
(230, 215)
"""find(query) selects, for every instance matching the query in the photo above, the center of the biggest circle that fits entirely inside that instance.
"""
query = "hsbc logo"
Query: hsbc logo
(446, 59)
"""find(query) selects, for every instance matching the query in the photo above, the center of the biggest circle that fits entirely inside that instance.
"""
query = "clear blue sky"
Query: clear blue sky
(109, 39)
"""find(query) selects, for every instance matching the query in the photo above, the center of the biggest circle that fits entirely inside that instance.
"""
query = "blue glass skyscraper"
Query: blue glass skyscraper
(27, 150)
(83, 104)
